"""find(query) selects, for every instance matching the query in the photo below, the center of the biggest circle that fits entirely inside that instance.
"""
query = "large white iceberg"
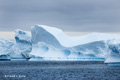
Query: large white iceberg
(52, 42)
(44, 42)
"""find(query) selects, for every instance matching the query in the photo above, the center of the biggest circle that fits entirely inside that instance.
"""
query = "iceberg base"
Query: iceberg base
(65, 59)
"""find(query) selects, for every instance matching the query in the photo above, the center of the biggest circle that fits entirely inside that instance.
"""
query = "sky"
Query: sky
(68, 15)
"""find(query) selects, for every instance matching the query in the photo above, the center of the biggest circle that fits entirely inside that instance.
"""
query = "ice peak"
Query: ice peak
(22, 35)
(48, 28)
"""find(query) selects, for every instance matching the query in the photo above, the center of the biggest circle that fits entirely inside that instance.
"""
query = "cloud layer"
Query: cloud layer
(69, 15)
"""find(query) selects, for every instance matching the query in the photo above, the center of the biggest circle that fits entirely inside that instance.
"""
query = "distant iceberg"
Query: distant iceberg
(50, 43)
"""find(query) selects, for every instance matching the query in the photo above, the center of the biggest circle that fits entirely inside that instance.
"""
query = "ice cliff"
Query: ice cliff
(114, 46)
(50, 42)
(23, 45)
(18, 50)
(5, 48)
(51, 35)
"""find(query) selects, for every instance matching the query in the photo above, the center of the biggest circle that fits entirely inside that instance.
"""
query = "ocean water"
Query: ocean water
(57, 70)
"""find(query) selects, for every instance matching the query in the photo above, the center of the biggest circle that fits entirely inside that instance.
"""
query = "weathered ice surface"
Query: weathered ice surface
(53, 42)
(5, 48)
(114, 56)
(23, 45)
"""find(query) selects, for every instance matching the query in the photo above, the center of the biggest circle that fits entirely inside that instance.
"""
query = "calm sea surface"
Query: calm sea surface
(56, 70)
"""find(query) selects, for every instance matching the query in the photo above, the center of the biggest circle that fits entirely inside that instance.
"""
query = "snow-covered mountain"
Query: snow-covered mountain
(52, 43)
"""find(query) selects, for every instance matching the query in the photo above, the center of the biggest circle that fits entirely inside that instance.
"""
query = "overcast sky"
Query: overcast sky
(69, 15)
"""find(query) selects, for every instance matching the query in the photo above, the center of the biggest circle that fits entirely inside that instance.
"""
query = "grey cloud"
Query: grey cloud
(69, 15)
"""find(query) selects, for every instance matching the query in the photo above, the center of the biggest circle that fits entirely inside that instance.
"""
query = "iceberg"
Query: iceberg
(23, 45)
(114, 46)
(5, 48)
(113, 59)
(57, 38)
(49, 42)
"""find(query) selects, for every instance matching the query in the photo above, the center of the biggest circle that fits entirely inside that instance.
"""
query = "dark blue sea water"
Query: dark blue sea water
(56, 70)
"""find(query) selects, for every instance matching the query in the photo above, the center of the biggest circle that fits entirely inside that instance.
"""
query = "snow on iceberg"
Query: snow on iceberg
(39, 34)
(51, 35)
(23, 45)
(5, 48)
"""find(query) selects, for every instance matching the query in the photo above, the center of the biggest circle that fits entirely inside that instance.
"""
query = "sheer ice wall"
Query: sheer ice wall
(45, 41)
